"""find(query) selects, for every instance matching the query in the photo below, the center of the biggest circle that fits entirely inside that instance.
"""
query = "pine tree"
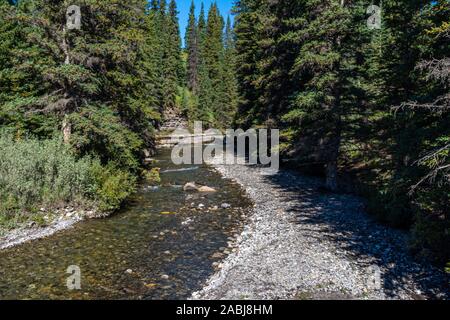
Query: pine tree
(172, 64)
(229, 75)
(202, 26)
(162, 8)
(176, 42)
(154, 5)
(212, 55)
(192, 51)
(324, 65)
(248, 50)
(91, 79)
(20, 87)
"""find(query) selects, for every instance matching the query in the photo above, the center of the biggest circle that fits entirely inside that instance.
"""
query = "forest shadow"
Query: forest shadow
(341, 219)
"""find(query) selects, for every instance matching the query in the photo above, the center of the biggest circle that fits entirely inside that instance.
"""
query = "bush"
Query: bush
(40, 172)
(46, 173)
(153, 176)
(113, 186)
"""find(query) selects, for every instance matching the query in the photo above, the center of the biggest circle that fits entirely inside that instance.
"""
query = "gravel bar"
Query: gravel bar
(23, 235)
(300, 242)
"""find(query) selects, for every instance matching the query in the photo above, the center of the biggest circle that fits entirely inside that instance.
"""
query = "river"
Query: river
(162, 245)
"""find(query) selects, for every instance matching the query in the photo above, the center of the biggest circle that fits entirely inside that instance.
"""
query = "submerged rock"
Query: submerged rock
(190, 186)
(206, 189)
(225, 206)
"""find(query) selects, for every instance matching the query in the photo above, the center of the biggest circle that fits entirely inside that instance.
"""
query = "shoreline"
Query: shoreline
(65, 219)
(298, 243)
(301, 243)
(24, 235)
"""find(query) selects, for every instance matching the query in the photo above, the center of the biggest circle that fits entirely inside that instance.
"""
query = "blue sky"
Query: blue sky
(184, 5)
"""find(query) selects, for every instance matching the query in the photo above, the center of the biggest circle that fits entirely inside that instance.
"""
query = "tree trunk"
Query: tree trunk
(332, 161)
(66, 126)
(66, 130)
(331, 176)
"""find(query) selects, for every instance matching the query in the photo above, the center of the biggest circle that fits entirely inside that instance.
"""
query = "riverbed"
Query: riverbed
(164, 244)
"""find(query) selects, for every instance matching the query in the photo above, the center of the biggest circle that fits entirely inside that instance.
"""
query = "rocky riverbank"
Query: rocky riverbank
(60, 220)
(303, 243)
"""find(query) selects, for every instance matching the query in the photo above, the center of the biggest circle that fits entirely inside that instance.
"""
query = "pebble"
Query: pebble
(322, 244)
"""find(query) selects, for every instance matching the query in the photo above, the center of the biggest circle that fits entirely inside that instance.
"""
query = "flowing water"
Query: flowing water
(162, 246)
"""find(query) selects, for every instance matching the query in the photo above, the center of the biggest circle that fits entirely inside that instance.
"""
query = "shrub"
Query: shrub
(40, 172)
(35, 173)
(390, 206)
(113, 186)
(153, 176)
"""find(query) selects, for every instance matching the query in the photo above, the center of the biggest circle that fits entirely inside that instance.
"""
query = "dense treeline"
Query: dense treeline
(211, 79)
(94, 95)
(372, 103)
(90, 99)
(359, 104)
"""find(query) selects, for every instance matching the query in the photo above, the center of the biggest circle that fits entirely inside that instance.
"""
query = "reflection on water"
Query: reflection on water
(159, 247)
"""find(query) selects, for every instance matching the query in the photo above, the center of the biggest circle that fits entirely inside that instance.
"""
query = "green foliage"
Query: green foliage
(101, 86)
(211, 74)
(34, 173)
(431, 237)
(46, 173)
(390, 206)
(98, 132)
(193, 51)
(373, 103)
(153, 177)
(112, 186)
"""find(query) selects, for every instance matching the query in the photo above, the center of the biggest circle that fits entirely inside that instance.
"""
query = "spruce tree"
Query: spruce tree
(229, 75)
(192, 51)
(91, 79)
(172, 65)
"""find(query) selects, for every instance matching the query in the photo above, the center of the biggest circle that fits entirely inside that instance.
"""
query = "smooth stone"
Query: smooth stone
(206, 189)
(190, 186)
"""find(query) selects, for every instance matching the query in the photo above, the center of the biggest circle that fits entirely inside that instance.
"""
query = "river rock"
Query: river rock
(217, 255)
(225, 206)
(190, 186)
(206, 189)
